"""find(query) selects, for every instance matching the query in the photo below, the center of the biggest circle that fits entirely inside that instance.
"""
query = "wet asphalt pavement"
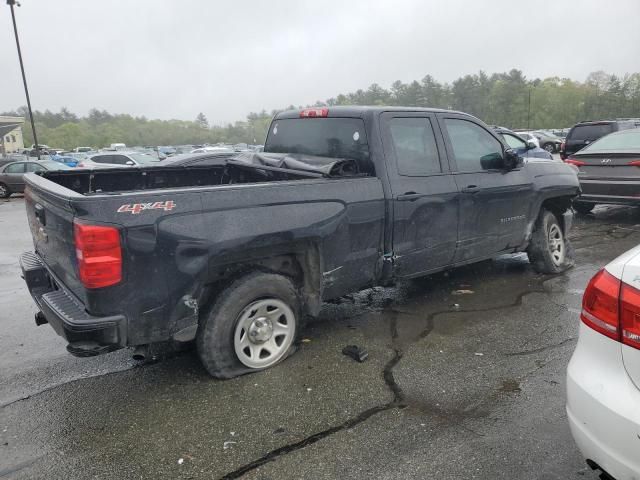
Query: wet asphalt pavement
(467, 385)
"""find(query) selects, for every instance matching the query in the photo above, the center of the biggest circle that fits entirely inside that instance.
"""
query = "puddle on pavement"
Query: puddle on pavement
(409, 307)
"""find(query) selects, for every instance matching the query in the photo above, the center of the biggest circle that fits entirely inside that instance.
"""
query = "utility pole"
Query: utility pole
(11, 4)
(529, 112)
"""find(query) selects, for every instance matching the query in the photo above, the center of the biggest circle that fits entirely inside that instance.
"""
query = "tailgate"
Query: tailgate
(50, 219)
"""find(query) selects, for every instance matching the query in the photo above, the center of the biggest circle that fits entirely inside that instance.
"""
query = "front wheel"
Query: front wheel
(4, 191)
(250, 327)
(549, 147)
(549, 251)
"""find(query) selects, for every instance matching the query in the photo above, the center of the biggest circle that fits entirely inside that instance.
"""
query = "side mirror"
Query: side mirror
(511, 159)
(531, 145)
(130, 162)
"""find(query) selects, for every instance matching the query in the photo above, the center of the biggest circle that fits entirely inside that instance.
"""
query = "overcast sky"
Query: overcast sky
(226, 58)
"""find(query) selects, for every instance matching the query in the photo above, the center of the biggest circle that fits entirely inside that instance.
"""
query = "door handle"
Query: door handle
(409, 197)
(471, 189)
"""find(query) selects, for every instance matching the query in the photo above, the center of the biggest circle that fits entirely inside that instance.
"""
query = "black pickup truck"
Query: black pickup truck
(235, 255)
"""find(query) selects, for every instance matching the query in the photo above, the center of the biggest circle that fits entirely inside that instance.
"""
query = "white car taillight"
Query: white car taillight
(612, 308)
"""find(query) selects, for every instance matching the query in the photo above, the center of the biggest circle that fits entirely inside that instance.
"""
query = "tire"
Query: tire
(4, 191)
(549, 147)
(583, 207)
(549, 251)
(242, 312)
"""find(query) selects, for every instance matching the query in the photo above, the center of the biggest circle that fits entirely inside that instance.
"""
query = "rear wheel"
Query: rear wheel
(583, 207)
(4, 191)
(251, 326)
(549, 250)
(549, 147)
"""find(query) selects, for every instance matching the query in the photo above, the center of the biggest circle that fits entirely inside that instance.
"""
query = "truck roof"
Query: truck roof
(359, 111)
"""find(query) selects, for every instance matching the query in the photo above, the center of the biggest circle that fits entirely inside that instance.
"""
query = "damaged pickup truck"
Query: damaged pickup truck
(236, 253)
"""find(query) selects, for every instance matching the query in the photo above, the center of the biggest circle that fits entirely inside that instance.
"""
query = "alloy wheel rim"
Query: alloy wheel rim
(264, 332)
(556, 244)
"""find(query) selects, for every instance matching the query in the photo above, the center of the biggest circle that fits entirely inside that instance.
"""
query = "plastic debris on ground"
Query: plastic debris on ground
(355, 352)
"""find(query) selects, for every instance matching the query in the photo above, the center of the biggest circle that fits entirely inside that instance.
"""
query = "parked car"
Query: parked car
(603, 377)
(550, 142)
(67, 159)
(526, 149)
(12, 174)
(119, 159)
(529, 137)
(584, 133)
(609, 170)
(207, 158)
(235, 255)
(561, 133)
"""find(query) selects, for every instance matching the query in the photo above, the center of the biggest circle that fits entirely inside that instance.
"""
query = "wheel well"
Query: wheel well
(557, 206)
(300, 265)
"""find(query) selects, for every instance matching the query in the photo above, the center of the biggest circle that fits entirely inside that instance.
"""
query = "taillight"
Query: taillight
(99, 255)
(612, 308)
(630, 315)
(314, 112)
(634, 163)
(577, 163)
(600, 304)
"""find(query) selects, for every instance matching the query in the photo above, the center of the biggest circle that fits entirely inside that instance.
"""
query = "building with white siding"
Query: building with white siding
(11, 140)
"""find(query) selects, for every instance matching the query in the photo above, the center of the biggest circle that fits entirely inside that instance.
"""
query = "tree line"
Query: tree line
(508, 99)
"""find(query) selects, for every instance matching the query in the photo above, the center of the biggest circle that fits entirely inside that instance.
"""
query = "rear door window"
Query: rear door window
(591, 132)
(119, 159)
(102, 159)
(34, 167)
(415, 146)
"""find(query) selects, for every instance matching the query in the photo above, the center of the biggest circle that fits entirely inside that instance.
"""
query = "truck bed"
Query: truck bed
(115, 180)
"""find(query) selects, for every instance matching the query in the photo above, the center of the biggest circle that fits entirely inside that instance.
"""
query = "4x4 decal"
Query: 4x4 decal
(136, 208)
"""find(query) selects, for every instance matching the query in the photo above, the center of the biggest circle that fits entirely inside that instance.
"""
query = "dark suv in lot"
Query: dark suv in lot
(584, 133)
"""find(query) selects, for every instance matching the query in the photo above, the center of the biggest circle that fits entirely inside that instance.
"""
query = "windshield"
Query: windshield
(591, 132)
(630, 140)
(325, 137)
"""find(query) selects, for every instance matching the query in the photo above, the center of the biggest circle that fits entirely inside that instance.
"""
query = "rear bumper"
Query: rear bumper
(617, 192)
(602, 406)
(609, 199)
(87, 335)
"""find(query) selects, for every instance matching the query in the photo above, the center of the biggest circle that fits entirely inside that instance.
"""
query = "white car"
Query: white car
(118, 159)
(530, 137)
(603, 378)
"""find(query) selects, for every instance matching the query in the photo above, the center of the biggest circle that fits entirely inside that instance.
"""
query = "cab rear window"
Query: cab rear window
(324, 137)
